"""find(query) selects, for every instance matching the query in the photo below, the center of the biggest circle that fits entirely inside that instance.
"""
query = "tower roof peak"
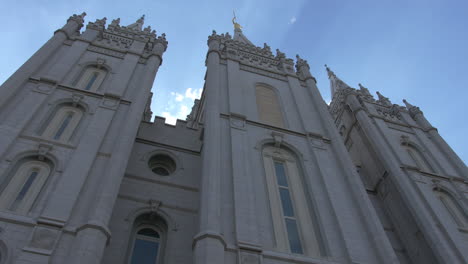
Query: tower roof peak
(138, 24)
(335, 82)
(238, 35)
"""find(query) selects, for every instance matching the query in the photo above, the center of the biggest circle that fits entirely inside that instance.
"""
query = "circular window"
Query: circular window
(162, 165)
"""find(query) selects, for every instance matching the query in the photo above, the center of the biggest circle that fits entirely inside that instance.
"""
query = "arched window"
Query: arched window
(146, 246)
(21, 188)
(91, 78)
(418, 158)
(269, 110)
(453, 208)
(63, 123)
(147, 241)
(293, 222)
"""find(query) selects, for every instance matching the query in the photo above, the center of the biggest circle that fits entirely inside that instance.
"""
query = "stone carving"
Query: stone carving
(42, 150)
(78, 18)
(248, 54)
(392, 113)
(154, 205)
(383, 100)
(122, 37)
(413, 110)
(76, 99)
(278, 138)
(237, 121)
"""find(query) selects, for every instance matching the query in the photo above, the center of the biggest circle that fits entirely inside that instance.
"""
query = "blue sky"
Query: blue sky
(417, 50)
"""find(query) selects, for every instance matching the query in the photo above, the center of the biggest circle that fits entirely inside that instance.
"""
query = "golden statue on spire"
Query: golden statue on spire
(234, 22)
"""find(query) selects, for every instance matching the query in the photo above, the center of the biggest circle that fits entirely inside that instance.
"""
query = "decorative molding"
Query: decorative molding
(106, 51)
(237, 121)
(263, 72)
(277, 138)
(43, 150)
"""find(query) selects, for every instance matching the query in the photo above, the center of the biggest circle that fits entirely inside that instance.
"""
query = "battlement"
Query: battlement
(178, 135)
(248, 54)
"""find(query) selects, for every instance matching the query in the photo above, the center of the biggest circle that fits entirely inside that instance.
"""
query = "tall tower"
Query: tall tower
(68, 121)
(277, 183)
(417, 184)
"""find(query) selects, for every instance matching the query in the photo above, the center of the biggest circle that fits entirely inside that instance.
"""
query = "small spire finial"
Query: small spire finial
(330, 72)
(237, 26)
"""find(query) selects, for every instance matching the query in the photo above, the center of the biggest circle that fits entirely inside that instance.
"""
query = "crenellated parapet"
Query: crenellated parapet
(251, 56)
(380, 106)
(120, 38)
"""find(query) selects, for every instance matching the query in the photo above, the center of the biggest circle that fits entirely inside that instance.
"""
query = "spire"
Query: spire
(384, 100)
(335, 82)
(413, 110)
(138, 25)
(238, 35)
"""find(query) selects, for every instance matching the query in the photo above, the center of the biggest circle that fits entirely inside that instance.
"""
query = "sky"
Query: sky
(406, 49)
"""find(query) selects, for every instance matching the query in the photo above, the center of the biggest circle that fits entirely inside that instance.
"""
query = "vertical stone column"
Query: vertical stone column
(451, 156)
(246, 226)
(209, 243)
(18, 118)
(385, 252)
(12, 84)
(95, 231)
(431, 231)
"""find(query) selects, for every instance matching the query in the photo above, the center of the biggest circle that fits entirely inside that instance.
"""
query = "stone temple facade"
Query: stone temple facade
(263, 171)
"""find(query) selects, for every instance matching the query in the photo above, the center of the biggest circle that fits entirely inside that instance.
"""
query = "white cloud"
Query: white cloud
(292, 20)
(180, 105)
(184, 111)
(179, 97)
(170, 119)
(193, 94)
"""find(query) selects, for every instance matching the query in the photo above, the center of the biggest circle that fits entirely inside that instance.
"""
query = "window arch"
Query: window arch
(293, 222)
(21, 187)
(418, 158)
(63, 123)
(91, 78)
(268, 107)
(452, 207)
(147, 242)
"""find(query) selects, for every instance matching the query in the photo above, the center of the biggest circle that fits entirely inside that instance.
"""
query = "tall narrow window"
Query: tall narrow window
(24, 186)
(418, 158)
(288, 210)
(293, 221)
(146, 247)
(453, 208)
(269, 110)
(91, 79)
(63, 123)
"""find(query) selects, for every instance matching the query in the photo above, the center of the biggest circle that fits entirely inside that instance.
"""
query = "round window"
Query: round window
(162, 164)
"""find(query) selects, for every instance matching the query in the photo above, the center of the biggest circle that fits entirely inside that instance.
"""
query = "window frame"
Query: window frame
(418, 158)
(83, 81)
(56, 120)
(136, 236)
(265, 116)
(16, 182)
(305, 221)
(151, 221)
(452, 207)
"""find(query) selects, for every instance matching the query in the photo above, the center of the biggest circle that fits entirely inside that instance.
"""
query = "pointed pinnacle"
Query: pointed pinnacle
(408, 105)
(330, 72)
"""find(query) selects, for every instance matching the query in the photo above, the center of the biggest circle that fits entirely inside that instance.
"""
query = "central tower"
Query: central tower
(277, 182)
